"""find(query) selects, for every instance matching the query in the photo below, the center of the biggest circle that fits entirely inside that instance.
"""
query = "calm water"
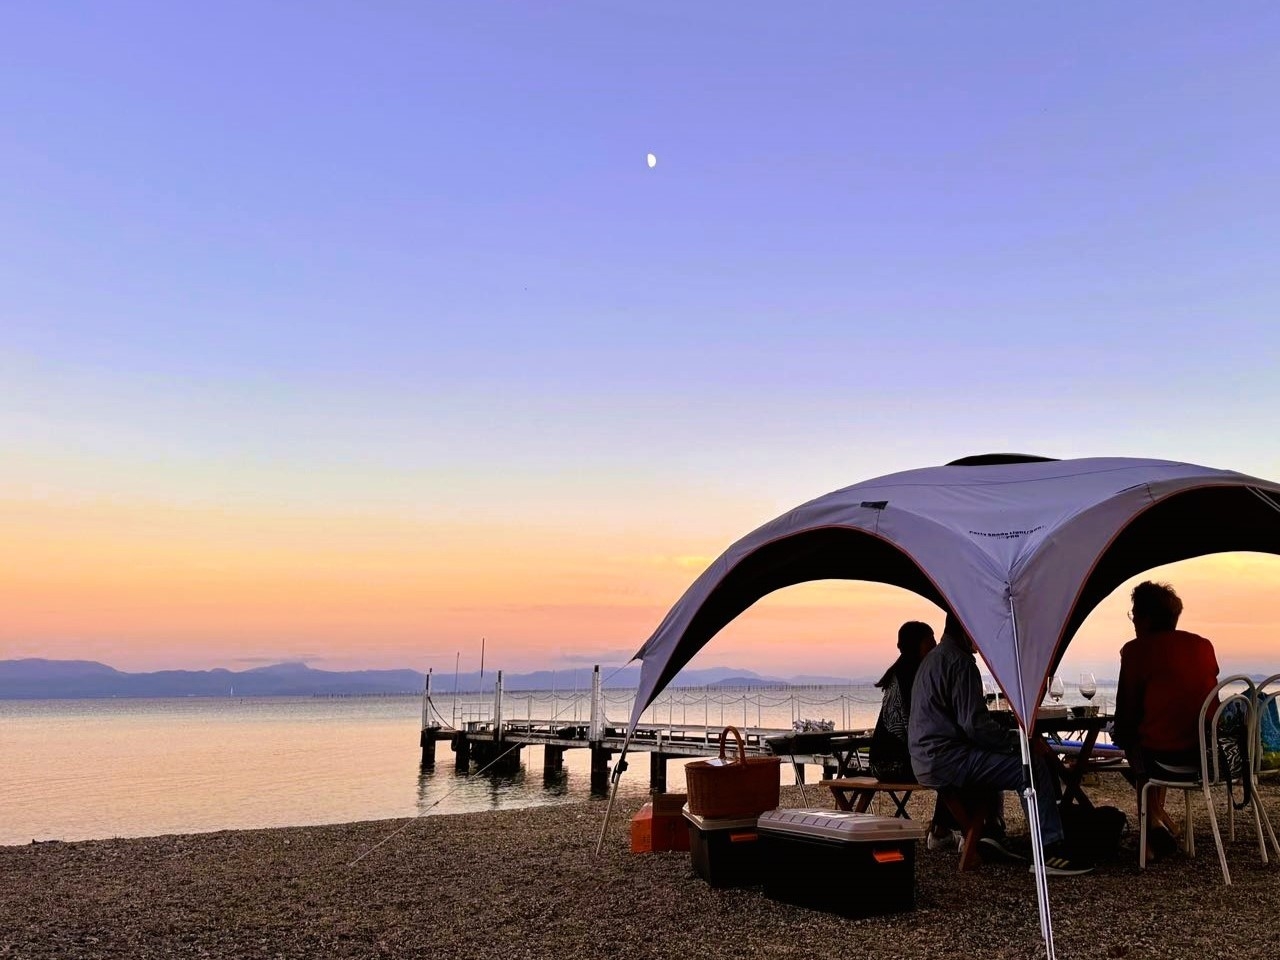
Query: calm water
(83, 769)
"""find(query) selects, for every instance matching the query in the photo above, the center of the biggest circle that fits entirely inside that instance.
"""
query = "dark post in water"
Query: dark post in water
(427, 739)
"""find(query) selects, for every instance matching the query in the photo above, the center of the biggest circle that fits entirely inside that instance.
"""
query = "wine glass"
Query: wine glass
(1056, 689)
(1088, 686)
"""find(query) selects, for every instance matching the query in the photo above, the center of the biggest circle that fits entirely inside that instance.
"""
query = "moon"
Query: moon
(651, 160)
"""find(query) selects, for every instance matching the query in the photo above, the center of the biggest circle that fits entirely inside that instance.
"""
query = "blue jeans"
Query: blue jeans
(1003, 771)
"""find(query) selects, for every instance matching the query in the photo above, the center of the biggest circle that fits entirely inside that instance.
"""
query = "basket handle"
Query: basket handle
(742, 747)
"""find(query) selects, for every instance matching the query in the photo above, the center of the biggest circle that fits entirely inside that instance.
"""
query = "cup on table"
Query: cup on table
(1088, 686)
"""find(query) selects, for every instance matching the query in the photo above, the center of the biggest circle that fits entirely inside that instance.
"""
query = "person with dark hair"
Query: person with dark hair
(890, 755)
(955, 743)
(1165, 676)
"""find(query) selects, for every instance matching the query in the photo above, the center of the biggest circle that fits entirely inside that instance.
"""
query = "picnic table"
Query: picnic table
(847, 747)
(1074, 751)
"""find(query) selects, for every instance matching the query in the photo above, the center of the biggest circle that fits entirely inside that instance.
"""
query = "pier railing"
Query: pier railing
(766, 707)
(709, 708)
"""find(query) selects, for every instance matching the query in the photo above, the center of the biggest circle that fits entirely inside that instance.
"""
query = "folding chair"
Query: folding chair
(1214, 771)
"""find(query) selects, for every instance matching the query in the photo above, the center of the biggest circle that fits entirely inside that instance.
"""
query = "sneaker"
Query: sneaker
(952, 840)
(999, 846)
(1059, 863)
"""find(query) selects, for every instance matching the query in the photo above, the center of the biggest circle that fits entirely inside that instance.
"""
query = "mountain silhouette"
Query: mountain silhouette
(39, 679)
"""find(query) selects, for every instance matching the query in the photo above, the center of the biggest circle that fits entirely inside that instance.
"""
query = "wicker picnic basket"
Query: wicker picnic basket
(732, 789)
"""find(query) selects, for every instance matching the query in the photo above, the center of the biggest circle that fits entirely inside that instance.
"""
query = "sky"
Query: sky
(356, 332)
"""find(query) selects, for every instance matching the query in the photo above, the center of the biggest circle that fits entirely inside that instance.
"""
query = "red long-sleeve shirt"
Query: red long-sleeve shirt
(1164, 679)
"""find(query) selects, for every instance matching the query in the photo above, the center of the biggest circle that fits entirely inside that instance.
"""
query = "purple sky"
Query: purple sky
(406, 261)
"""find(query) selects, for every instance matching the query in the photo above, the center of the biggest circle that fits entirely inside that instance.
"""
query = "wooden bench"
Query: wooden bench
(970, 810)
(856, 793)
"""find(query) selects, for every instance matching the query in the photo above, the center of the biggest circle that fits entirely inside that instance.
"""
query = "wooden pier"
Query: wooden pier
(495, 745)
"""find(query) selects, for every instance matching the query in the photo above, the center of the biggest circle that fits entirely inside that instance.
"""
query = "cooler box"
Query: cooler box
(853, 864)
(725, 853)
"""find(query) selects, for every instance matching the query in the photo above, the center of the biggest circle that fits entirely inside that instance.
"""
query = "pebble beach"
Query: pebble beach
(526, 885)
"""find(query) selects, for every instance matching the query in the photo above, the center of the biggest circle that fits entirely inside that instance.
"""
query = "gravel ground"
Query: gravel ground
(526, 884)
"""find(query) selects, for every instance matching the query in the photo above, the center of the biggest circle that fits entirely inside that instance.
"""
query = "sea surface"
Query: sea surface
(90, 769)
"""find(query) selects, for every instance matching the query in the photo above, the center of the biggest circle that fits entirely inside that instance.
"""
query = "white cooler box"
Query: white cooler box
(854, 864)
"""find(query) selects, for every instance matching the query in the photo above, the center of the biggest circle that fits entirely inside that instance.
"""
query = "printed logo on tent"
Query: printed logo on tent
(1006, 534)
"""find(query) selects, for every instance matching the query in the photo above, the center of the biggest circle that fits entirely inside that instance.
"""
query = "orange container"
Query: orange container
(642, 830)
(651, 833)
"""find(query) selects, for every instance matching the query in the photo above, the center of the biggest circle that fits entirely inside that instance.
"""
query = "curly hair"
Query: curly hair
(1157, 604)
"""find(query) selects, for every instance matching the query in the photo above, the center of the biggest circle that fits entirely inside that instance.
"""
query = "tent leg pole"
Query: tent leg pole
(1029, 796)
(620, 766)
(1037, 846)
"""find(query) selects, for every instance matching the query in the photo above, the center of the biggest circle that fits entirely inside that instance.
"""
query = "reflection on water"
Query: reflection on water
(481, 791)
(555, 782)
(445, 790)
(104, 768)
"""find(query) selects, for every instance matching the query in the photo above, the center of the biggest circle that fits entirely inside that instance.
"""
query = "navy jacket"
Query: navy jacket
(949, 718)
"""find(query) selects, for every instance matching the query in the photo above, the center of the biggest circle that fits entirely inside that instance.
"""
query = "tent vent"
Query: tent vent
(875, 504)
(995, 459)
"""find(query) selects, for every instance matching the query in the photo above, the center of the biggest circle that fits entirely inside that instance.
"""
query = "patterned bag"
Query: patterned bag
(1233, 751)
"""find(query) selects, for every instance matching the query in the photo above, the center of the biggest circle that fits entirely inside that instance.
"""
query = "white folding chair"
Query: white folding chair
(1213, 772)
(1262, 702)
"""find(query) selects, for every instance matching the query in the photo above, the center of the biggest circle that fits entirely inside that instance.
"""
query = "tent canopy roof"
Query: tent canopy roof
(1020, 548)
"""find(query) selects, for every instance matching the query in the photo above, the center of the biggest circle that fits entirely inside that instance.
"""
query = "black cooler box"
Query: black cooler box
(725, 853)
(853, 864)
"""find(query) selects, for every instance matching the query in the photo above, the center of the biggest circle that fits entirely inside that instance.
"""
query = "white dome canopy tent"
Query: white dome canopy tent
(1019, 548)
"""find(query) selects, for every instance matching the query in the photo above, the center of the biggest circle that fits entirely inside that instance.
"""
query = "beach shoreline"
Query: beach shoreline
(526, 883)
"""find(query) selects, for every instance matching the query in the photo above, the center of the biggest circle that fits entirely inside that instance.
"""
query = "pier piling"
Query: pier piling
(461, 753)
(427, 740)
(600, 756)
(552, 759)
(658, 772)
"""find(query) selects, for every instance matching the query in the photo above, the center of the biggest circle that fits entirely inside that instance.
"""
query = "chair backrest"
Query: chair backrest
(1219, 709)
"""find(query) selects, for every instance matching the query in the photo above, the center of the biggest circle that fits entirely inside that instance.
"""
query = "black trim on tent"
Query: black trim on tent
(1194, 523)
(827, 553)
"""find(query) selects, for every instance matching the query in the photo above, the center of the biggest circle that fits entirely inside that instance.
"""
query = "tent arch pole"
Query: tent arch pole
(1265, 499)
(1029, 798)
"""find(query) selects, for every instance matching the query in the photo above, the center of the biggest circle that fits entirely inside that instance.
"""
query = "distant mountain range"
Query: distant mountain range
(36, 679)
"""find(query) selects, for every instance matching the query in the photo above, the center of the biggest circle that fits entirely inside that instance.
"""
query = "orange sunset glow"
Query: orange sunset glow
(150, 586)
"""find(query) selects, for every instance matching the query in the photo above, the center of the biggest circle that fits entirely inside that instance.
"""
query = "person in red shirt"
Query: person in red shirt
(1165, 676)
